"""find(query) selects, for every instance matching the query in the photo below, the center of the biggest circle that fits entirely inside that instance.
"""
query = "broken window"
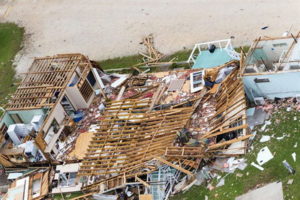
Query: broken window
(67, 179)
(250, 70)
(36, 185)
(91, 78)
(75, 80)
(261, 80)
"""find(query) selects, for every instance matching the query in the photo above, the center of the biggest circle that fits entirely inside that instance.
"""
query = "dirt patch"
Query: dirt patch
(105, 29)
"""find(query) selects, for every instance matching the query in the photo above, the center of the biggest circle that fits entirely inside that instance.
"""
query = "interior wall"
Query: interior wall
(25, 115)
(76, 98)
(58, 113)
(272, 48)
(6, 119)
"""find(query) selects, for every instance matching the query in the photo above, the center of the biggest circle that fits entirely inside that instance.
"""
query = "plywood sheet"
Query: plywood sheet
(145, 197)
(81, 145)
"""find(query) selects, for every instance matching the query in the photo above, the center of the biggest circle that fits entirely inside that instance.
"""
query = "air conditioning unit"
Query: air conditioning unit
(259, 101)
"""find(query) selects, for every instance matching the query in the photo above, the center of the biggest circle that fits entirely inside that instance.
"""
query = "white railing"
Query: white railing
(221, 44)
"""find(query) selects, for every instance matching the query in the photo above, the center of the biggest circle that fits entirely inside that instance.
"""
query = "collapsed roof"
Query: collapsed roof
(135, 137)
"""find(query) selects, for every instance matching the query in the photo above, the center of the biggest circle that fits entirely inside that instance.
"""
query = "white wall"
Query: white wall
(76, 98)
(58, 113)
(273, 52)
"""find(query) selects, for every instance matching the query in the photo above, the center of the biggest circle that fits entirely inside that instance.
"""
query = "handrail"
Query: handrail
(227, 46)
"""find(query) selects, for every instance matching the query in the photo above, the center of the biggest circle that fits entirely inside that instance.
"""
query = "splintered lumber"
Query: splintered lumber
(130, 135)
(226, 131)
(5, 161)
(230, 108)
(142, 181)
(145, 197)
(122, 90)
(158, 94)
(185, 152)
(152, 55)
(174, 166)
(215, 146)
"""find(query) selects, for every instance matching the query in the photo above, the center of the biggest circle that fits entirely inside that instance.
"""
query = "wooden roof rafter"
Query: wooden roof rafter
(46, 80)
(131, 136)
(230, 113)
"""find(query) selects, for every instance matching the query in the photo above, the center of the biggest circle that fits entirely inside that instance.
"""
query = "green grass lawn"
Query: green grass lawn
(273, 170)
(67, 196)
(129, 61)
(11, 37)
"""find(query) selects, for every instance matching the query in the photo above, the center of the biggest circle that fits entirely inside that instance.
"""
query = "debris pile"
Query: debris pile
(152, 55)
(138, 135)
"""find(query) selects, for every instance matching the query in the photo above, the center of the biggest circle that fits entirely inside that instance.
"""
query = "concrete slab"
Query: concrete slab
(272, 191)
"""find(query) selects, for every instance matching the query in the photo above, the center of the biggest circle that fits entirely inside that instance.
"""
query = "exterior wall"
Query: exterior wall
(91, 99)
(77, 99)
(282, 85)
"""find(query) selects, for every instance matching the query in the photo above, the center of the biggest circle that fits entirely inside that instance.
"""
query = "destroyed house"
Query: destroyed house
(271, 68)
(148, 141)
(41, 113)
(33, 186)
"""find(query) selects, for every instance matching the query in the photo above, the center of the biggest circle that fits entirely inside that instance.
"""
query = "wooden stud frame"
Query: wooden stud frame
(46, 80)
(230, 111)
(130, 135)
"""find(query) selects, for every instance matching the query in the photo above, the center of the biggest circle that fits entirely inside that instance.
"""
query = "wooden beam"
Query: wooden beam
(174, 166)
(225, 131)
(142, 181)
(218, 145)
